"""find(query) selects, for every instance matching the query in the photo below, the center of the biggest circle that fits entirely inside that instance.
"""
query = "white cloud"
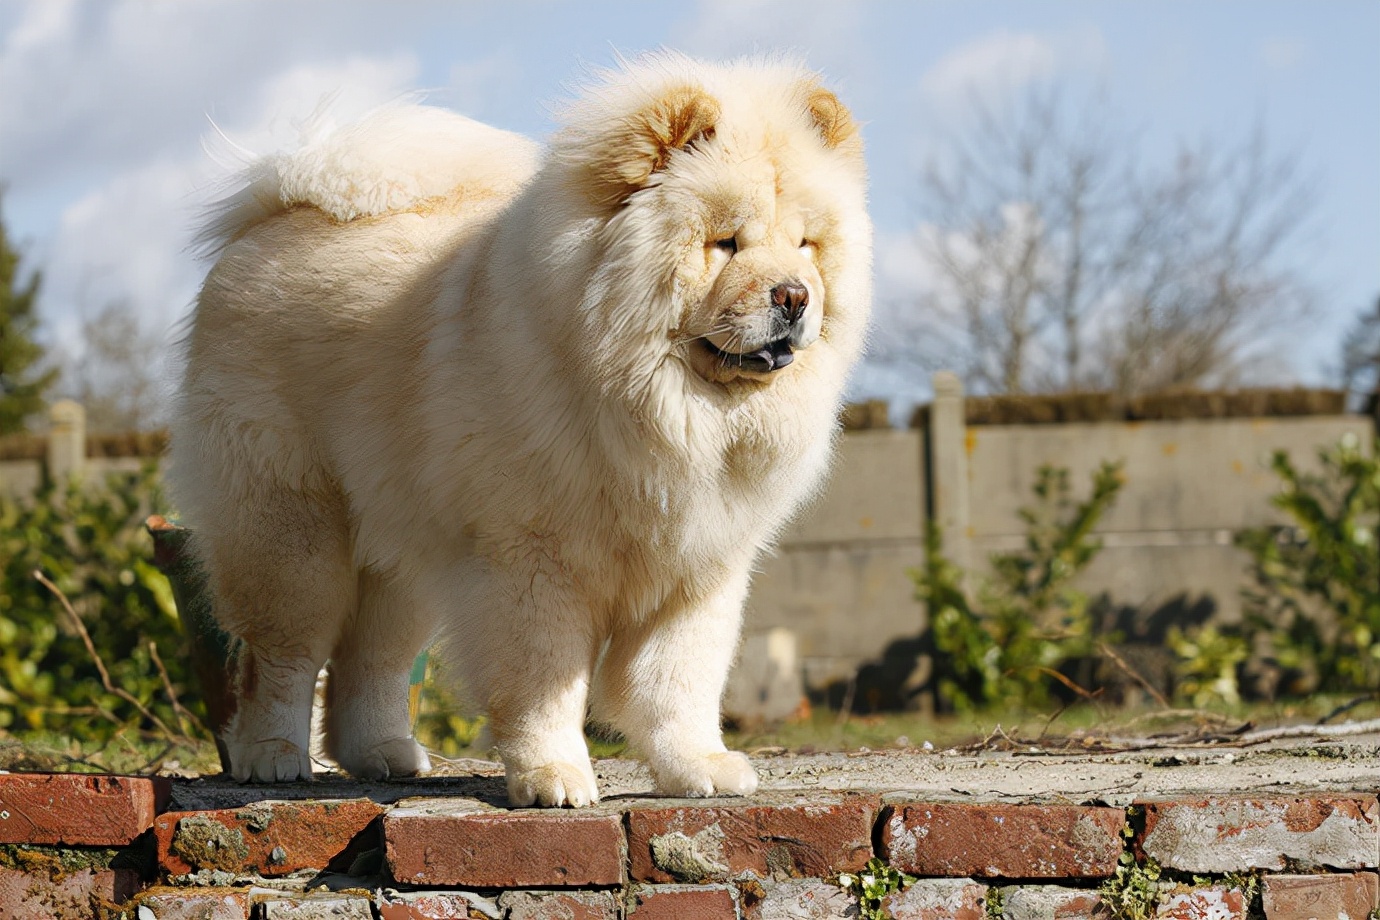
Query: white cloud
(126, 238)
(1001, 62)
(902, 269)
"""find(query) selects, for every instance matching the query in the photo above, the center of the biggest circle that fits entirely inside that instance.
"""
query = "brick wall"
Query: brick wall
(76, 846)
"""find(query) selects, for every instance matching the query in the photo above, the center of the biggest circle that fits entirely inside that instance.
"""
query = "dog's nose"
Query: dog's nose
(792, 297)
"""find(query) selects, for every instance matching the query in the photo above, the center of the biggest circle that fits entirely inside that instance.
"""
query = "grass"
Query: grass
(124, 753)
(822, 730)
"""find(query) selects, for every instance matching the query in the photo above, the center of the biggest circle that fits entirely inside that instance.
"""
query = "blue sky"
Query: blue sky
(106, 104)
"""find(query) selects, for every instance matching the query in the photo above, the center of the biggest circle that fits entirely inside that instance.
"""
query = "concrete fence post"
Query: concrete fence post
(949, 468)
(67, 441)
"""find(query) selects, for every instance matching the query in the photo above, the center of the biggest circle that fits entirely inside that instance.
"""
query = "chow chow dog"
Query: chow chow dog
(544, 407)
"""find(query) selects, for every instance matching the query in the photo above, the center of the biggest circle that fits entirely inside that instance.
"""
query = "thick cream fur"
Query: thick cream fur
(443, 385)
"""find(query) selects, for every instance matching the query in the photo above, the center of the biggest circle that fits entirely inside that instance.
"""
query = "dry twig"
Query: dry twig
(183, 714)
(1347, 707)
(110, 687)
(1131, 672)
(1310, 731)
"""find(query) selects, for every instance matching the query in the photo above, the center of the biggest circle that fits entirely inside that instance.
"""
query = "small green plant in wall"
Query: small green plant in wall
(872, 885)
(1134, 891)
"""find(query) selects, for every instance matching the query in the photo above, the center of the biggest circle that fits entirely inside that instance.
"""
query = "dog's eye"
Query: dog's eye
(808, 247)
(729, 245)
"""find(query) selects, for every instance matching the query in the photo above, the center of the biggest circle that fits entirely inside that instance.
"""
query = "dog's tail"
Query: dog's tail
(392, 160)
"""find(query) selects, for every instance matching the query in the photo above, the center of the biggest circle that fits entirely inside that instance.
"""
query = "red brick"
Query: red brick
(1027, 902)
(1232, 834)
(196, 903)
(465, 843)
(270, 838)
(71, 896)
(938, 899)
(559, 905)
(684, 902)
(433, 905)
(793, 836)
(1008, 841)
(1300, 897)
(1213, 902)
(78, 809)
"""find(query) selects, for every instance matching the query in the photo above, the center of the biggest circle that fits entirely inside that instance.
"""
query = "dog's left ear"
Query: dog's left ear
(641, 144)
(832, 121)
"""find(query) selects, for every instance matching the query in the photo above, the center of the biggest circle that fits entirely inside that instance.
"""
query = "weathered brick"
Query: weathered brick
(684, 902)
(1349, 896)
(317, 907)
(1007, 841)
(775, 837)
(270, 838)
(559, 905)
(796, 899)
(462, 842)
(193, 904)
(1232, 834)
(938, 899)
(1051, 902)
(78, 809)
(40, 896)
(1210, 902)
(435, 905)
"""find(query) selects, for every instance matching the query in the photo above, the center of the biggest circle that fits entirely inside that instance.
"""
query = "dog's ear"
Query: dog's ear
(642, 142)
(832, 121)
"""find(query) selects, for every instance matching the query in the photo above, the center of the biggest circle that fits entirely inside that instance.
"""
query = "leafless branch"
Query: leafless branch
(100, 664)
(184, 716)
(1063, 262)
(1132, 673)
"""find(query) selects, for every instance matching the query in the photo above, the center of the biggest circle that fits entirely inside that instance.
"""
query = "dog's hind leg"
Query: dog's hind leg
(367, 728)
(283, 582)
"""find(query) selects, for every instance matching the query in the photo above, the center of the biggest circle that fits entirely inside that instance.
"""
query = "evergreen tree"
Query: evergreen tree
(22, 379)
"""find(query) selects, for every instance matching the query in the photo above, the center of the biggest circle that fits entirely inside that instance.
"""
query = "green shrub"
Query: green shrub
(1207, 659)
(90, 541)
(1314, 608)
(1008, 644)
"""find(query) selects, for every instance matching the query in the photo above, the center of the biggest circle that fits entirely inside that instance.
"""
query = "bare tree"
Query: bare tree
(117, 375)
(1361, 359)
(1061, 262)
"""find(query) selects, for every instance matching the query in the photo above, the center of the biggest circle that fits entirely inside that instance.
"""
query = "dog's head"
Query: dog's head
(733, 200)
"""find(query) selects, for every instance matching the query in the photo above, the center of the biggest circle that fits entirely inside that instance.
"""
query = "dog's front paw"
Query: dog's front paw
(274, 760)
(553, 785)
(397, 757)
(723, 773)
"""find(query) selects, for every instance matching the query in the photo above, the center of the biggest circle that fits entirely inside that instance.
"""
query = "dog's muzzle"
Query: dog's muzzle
(789, 300)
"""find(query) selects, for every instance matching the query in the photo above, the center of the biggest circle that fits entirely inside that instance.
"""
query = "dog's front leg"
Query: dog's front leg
(529, 658)
(662, 684)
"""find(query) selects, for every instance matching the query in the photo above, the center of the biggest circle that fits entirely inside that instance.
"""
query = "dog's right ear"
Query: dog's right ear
(636, 145)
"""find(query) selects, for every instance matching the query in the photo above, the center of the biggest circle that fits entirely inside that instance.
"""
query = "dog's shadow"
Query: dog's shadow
(220, 791)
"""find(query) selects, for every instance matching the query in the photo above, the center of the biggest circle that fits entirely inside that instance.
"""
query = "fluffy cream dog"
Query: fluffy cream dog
(547, 407)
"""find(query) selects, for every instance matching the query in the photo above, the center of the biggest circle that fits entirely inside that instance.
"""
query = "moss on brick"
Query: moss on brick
(57, 863)
(207, 844)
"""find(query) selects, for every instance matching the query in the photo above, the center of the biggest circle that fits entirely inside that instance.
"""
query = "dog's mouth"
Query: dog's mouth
(770, 357)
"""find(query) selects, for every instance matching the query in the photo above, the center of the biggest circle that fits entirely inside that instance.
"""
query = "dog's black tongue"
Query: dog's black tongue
(772, 358)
